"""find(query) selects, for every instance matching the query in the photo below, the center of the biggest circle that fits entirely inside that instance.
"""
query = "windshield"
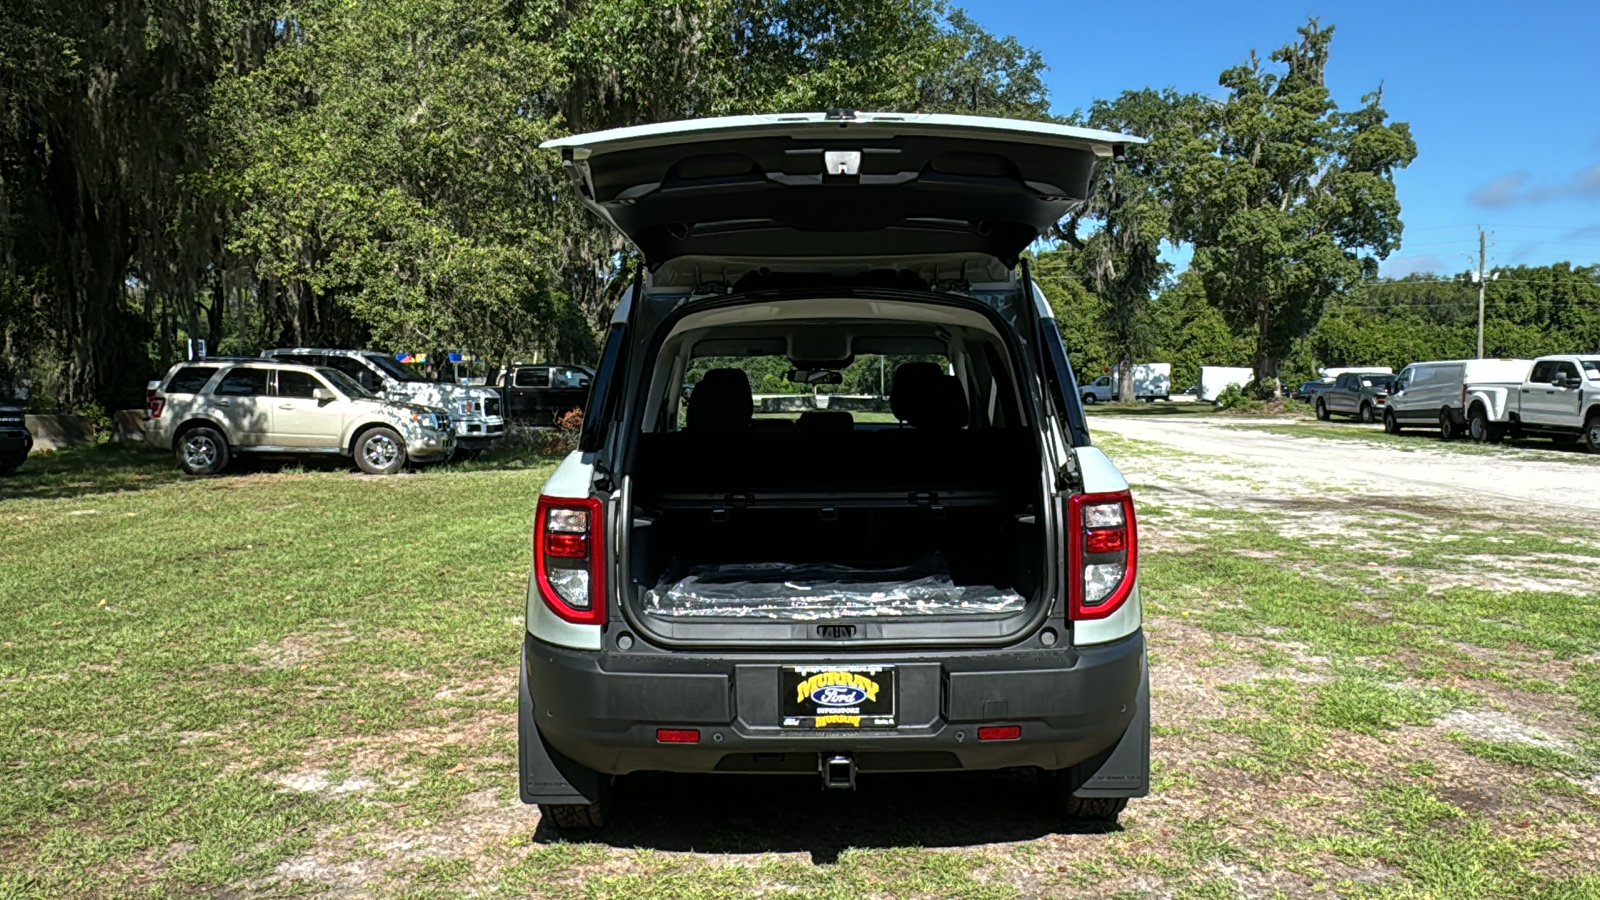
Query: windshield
(1591, 368)
(344, 383)
(393, 369)
(1382, 381)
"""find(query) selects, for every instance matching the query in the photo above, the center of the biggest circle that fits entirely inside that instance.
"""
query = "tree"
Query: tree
(1130, 206)
(1292, 200)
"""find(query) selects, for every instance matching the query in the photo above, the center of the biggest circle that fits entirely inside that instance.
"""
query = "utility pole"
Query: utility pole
(1480, 291)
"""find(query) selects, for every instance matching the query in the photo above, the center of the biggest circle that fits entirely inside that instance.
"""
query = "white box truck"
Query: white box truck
(1215, 379)
(1151, 381)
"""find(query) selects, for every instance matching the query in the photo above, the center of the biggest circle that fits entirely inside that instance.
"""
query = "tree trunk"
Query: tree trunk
(1266, 365)
(1125, 379)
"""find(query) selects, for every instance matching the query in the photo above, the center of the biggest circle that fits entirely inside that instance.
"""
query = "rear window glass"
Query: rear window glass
(190, 379)
(243, 382)
(864, 386)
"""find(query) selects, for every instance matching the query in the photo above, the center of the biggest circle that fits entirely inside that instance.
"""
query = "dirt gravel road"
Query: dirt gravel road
(1539, 480)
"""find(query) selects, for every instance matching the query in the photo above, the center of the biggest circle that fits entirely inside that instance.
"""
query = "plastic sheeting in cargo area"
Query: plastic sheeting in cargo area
(802, 592)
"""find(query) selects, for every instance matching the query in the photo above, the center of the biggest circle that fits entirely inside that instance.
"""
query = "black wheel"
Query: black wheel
(1447, 426)
(202, 451)
(1322, 410)
(465, 455)
(1058, 793)
(1367, 415)
(1391, 423)
(1481, 429)
(1591, 433)
(1088, 399)
(7, 471)
(380, 451)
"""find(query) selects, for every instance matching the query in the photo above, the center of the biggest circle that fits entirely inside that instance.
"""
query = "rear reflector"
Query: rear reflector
(999, 732)
(678, 735)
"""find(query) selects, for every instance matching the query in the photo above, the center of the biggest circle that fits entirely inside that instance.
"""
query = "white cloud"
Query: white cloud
(1512, 190)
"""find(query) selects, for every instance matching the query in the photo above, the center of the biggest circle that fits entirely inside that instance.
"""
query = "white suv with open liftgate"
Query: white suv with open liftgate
(719, 591)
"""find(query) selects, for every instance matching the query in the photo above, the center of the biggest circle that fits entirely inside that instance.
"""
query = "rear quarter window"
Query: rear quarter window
(189, 379)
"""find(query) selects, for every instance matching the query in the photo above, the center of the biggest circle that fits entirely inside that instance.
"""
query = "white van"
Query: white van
(1429, 394)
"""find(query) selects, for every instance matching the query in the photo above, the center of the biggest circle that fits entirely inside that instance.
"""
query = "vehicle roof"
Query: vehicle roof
(326, 350)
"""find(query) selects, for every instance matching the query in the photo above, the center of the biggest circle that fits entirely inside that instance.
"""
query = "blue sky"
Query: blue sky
(1503, 100)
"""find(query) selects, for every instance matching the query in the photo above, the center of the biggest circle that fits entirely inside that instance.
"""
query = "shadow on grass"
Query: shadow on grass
(132, 466)
(1152, 410)
(740, 814)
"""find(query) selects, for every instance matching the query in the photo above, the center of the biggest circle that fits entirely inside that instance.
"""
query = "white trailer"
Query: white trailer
(1151, 381)
(1216, 379)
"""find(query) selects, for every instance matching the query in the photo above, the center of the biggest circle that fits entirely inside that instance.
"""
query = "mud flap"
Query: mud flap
(1125, 770)
(544, 774)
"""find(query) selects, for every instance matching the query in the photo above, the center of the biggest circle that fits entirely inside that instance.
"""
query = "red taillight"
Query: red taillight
(568, 564)
(999, 732)
(566, 546)
(678, 735)
(1102, 553)
(154, 403)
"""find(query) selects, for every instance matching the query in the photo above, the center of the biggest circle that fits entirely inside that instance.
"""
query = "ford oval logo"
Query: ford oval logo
(838, 695)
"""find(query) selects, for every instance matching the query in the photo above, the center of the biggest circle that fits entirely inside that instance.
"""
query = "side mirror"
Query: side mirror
(322, 395)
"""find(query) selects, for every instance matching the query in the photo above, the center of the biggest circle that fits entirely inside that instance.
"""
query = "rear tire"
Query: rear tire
(1447, 426)
(1088, 399)
(1093, 809)
(576, 816)
(380, 451)
(1591, 433)
(1322, 410)
(202, 452)
(1391, 423)
(1482, 430)
(1367, 417)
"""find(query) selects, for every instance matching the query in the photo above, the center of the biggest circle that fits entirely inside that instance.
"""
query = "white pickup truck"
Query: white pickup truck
(1559, 399)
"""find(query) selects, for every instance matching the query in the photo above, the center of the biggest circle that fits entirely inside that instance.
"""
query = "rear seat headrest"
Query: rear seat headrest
(721, 401)
(825, 421)
(906, 392)
(942, 405)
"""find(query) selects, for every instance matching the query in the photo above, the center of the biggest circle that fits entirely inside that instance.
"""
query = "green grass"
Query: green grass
(202, 681)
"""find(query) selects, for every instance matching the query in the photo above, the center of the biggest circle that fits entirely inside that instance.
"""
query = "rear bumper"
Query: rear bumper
(602, 710)
(15, 443)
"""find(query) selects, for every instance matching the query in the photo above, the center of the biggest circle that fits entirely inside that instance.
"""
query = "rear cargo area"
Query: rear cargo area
(896, 521)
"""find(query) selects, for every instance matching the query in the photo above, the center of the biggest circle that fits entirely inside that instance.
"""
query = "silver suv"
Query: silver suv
(475, 411)
(210, 411)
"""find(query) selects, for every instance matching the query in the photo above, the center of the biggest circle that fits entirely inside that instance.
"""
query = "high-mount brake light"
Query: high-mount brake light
(568, 563)
(1103, 553)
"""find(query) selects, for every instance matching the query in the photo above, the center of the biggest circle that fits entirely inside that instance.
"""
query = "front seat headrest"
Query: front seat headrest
(942, 405)
(906, 392)
(721, 401)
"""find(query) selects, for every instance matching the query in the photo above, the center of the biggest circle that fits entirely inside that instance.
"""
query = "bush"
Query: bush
(1236, 398)
(562, 439)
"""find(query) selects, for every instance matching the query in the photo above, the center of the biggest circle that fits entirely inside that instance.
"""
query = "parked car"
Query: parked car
(1151, 382)
(208, 412)
(1359, 395)
(538, 394)
(955, 593)
(1306, 391)
(16, 441)
(1431, 394)
(1559, 398)
(474, 411)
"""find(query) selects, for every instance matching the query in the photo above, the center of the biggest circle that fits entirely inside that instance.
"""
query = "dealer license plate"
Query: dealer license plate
(837, 696)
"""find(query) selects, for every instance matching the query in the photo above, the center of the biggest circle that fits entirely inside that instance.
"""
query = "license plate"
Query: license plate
(837, 696)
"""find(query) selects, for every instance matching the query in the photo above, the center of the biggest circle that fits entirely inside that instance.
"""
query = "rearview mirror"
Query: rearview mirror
(807, 376)
(322, 395)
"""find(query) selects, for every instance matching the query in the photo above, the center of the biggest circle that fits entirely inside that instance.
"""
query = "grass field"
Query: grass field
(294, 682)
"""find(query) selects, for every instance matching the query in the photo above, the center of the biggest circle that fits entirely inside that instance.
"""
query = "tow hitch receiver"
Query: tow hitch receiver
(839, 772)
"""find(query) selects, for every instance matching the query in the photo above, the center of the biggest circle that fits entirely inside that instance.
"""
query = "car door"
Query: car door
(241, 401)
(1564, 397)
(299, 419)
(528, 386)
(1538, 394)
